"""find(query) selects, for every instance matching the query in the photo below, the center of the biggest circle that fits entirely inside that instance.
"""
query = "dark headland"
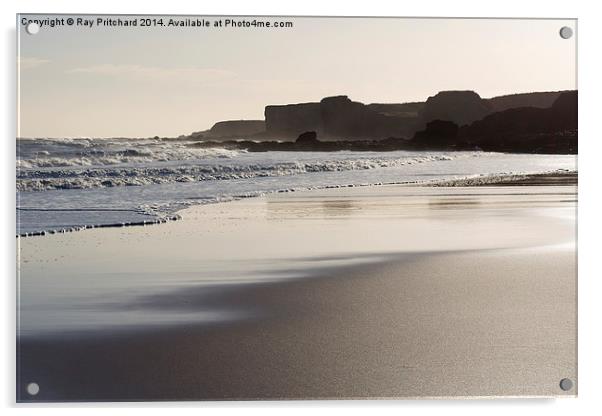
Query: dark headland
(538, 122)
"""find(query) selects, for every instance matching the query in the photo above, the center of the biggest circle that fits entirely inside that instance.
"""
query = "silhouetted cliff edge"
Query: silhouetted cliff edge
(335, 118)
(232, 128)
(460, 107)
(541, 122)
(524, 130)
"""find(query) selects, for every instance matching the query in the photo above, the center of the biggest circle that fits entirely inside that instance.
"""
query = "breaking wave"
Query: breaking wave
(72, 184)
(56, 153)
(136, 167)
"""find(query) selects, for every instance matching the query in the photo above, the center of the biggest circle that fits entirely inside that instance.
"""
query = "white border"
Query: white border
(590, 153)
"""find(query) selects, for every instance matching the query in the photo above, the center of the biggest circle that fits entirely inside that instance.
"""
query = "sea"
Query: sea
(70, 184)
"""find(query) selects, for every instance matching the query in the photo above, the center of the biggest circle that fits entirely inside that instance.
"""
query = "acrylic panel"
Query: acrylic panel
(277, 207)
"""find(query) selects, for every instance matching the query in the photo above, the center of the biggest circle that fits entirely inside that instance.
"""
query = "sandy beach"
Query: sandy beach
(360, 292)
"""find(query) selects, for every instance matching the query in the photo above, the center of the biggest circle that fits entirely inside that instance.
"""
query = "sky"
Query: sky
(77, 81)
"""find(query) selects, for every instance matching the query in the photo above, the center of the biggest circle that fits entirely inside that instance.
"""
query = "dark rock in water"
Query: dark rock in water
(308, 141)
(461, 107)
(309, 137)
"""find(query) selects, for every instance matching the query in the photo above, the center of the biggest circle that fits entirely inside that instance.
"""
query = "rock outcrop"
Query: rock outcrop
(236, 129)
(528, 129)
(543, 122)
(405, 110)
(460, 107)
(437, 134)
(309, 138)
(336, 118)
(343, 118)
(292, 119)
(530, 99)
(518, 130)
(565, 110)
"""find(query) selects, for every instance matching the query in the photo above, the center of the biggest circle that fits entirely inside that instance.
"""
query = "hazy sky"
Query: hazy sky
(105, 81)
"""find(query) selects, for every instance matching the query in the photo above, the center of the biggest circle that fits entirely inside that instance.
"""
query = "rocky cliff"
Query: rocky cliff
(528, 129)
(336, 118)
(460, 107)
(437, 134)
(232, 129)
(532, 122)
(343, 118)
(409, 110)
(290, 120)
(525, 130)
(530, 99)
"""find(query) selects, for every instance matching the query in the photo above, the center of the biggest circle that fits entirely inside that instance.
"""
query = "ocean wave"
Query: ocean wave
(57, 153)
(126, 156)
(41, 180)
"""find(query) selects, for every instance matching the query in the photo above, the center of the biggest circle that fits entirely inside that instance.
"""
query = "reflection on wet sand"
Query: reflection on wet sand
(331, 293)
(453, 203)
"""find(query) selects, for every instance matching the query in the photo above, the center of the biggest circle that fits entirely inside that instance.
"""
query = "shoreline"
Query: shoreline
(526, 178)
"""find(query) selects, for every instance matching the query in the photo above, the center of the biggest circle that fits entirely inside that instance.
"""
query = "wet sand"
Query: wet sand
(404, 292)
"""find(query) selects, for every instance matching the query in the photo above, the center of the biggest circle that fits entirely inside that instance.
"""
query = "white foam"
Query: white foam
(71, 183)
(98, 177)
